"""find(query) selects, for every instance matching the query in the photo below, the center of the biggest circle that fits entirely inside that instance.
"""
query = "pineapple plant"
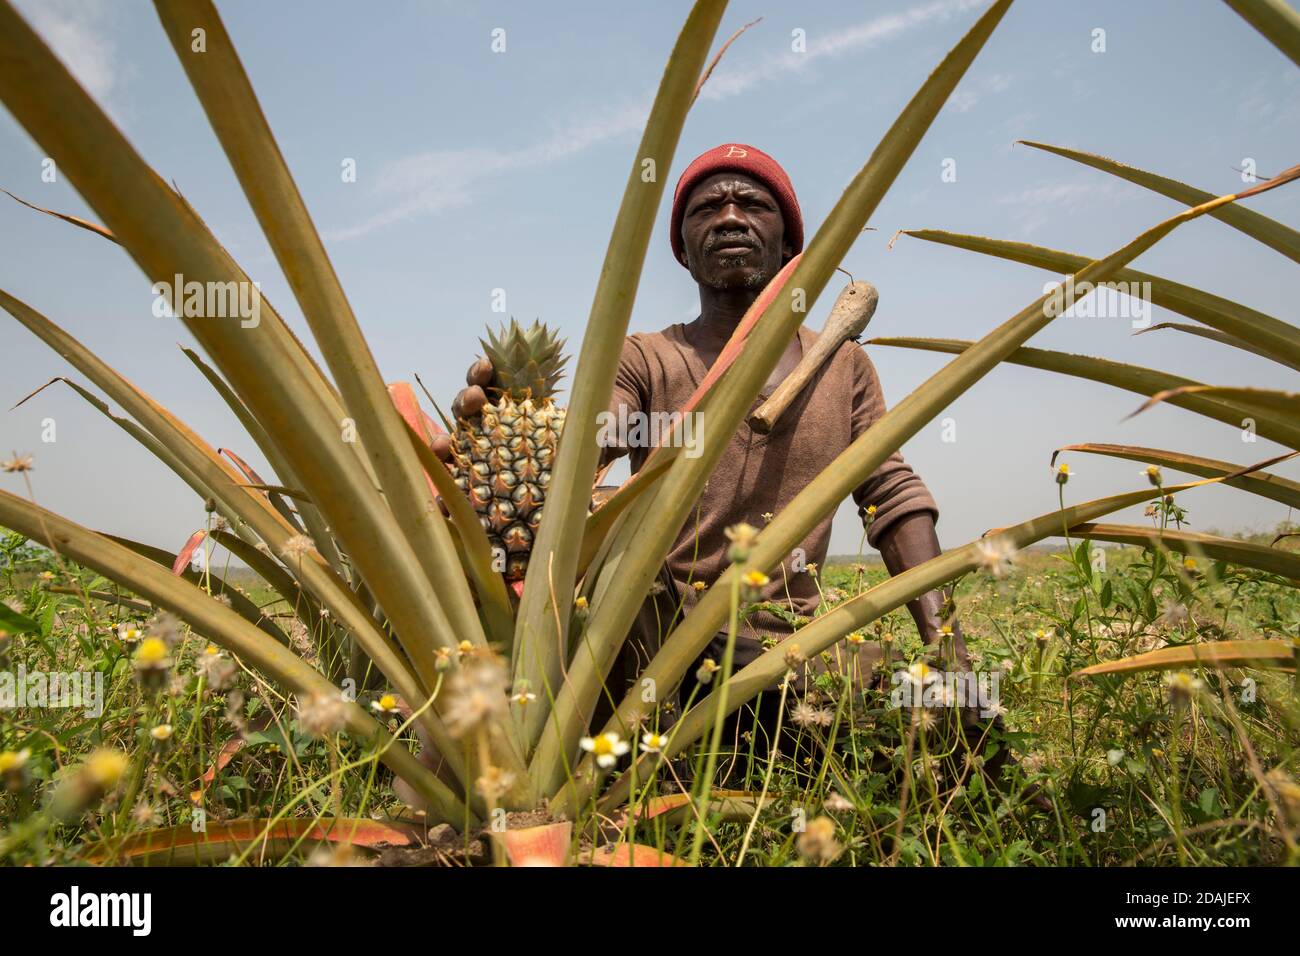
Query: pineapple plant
(349, 533)
(502, 454)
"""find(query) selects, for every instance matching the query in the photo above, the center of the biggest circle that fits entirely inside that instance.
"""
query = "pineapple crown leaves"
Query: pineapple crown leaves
(527, 362)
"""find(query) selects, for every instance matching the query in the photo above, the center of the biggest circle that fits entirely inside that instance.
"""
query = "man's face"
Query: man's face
(733, 233)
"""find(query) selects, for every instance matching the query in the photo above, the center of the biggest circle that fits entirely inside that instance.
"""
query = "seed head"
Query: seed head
(817, 843)
(996, 555)
(17, 464)
(495, 783)
(477, 693)
(806, 715)
(836, 803)
(322, 714)
(297, 546)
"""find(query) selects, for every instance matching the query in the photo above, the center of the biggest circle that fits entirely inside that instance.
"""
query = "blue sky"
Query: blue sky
(479, 170)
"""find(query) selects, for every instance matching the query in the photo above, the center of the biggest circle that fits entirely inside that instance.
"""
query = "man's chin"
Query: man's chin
(737, 278)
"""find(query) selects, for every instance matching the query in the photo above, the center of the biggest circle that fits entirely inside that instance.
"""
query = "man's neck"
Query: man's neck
(722, 309)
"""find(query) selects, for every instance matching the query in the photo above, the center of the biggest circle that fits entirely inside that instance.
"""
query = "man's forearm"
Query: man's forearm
(911, 542)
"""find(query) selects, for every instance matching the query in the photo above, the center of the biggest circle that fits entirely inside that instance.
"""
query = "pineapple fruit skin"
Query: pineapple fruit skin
(502, 457)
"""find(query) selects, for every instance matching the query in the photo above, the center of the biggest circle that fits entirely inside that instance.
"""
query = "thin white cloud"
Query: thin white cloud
(1035, 206)
(75, 31)
(732, 80)
(969, 94)
(430, 182)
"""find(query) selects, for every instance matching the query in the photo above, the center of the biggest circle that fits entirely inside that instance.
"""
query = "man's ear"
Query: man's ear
(787, 252)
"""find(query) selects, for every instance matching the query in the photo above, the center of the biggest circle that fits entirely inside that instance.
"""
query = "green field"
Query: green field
(1186, 766)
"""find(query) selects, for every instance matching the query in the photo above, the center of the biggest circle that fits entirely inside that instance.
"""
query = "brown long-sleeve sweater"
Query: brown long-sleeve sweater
(762, 473)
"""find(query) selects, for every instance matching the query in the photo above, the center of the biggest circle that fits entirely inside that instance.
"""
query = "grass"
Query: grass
(1195, 768)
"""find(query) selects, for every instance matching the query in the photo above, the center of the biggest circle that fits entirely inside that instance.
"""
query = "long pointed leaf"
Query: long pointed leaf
(1245, 477)
(731, 401)
(220, 625)
(1212, 654)
(855, 464)
(264, 363)
(250, 507)
(1132, 378)
(1216, 336)
(1273, 560)
(311, 516)
(239, 603)
(223, 89)
(852, 615)
(1276, 20)
(1273, 336)
(1284, 405)
(182, 845)
(1259, 227)
(554, 560)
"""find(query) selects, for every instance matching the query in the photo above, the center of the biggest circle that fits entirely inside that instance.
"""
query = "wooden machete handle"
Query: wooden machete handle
(848, 319)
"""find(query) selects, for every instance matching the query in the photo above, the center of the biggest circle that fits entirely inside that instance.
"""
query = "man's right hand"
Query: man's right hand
(469, 401)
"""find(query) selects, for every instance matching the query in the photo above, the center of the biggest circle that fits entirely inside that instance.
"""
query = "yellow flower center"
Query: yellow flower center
(602, 746)
(388, 702)
(153, 650)
(9, 760)
(106, 767)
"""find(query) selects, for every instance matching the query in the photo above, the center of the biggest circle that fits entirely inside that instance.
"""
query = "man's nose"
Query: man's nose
(730, 217)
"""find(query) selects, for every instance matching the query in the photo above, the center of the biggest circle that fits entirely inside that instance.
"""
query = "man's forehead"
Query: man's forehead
(728, 180)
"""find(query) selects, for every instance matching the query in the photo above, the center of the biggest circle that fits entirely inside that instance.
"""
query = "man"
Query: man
(735, 223)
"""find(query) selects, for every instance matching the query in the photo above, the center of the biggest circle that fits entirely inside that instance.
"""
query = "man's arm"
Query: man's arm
(909, 542)
(898, 510)
(631, 394)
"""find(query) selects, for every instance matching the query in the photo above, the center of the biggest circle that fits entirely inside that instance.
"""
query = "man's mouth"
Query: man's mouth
(732, 249)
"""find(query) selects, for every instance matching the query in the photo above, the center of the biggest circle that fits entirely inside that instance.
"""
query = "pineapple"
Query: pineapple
(502, 456)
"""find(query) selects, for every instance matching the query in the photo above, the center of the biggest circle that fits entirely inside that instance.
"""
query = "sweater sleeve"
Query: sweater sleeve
(631, 394)
(894, 489)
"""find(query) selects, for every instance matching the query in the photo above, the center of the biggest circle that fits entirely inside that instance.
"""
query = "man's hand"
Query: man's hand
(469, 401)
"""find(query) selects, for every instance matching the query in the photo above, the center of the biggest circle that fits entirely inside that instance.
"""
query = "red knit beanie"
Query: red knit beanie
(745, 159)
